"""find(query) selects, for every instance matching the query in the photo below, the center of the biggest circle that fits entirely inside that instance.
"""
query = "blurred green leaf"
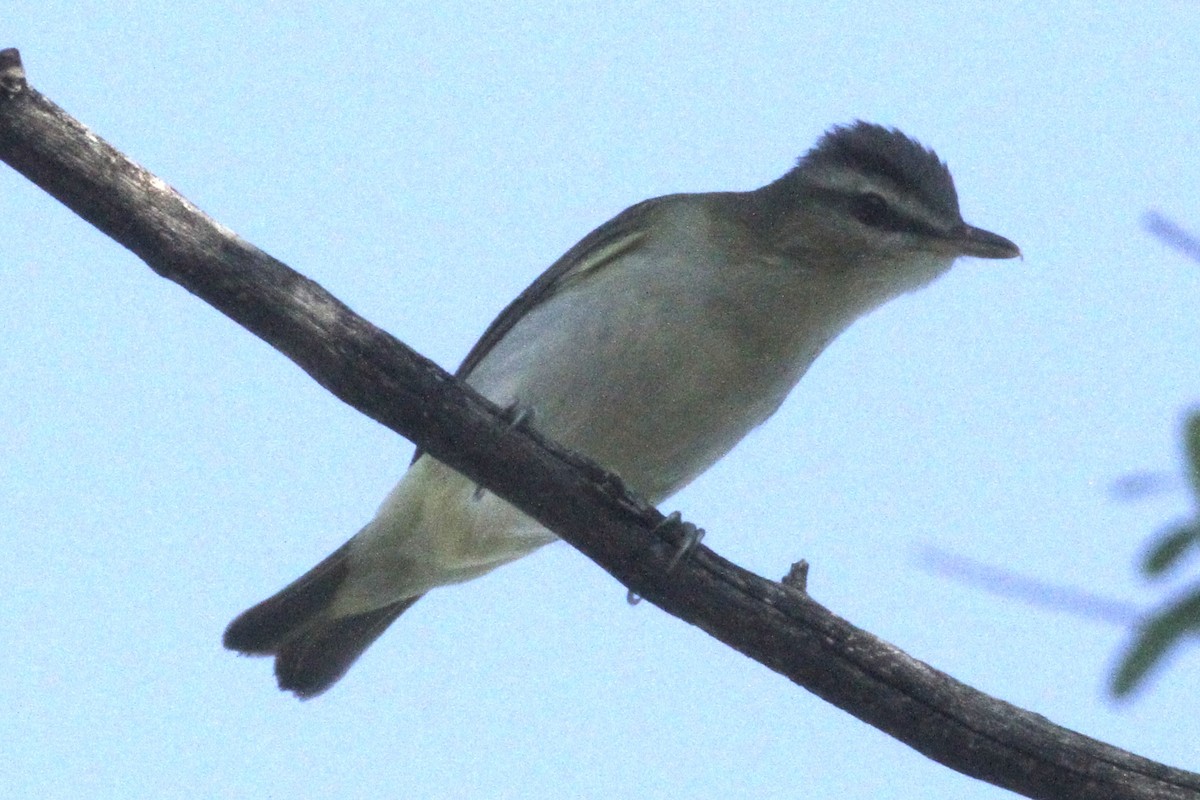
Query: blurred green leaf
(1169, 547)
(1156, 636)
(1191, 444)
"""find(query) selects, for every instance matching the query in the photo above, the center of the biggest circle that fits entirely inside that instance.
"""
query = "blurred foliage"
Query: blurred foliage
(1167, 626)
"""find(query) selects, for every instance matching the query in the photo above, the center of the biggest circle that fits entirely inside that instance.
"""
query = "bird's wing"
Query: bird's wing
(592, 253)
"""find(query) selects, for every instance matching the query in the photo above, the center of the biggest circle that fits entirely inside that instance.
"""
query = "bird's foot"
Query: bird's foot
(516, 416)
(692, 536)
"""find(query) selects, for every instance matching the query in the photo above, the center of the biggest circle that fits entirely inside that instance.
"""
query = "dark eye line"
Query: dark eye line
(872, 210)
(890, 220)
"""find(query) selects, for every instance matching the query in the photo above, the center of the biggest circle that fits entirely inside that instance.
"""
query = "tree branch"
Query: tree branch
(370, 370)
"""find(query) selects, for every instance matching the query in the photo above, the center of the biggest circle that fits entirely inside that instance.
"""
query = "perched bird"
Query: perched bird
(652, 347)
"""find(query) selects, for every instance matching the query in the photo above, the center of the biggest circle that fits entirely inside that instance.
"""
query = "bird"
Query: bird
(652, 347)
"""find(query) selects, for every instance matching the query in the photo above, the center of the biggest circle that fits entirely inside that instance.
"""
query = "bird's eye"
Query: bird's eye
(871, 209)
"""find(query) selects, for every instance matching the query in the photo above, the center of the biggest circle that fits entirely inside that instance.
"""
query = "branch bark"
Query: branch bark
(773, 623)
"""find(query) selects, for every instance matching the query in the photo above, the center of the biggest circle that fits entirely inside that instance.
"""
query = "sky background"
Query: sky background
(163, 469)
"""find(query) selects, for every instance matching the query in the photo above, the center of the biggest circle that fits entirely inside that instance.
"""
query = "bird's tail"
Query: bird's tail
(312, 648)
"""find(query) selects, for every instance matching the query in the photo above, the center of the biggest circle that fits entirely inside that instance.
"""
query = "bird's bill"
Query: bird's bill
(977, 242)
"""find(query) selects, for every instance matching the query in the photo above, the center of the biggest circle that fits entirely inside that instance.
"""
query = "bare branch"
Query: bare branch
(779, 626)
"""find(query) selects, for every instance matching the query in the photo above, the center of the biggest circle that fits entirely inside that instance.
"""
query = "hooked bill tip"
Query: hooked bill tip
(985, 244)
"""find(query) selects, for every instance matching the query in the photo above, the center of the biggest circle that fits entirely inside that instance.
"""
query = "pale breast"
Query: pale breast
(659, 363)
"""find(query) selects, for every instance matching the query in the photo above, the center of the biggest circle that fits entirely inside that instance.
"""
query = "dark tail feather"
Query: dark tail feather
(312, 651)
(320, 655)
(263, 629)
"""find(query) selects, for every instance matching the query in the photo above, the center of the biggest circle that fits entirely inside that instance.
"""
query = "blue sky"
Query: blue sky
(163, 469)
